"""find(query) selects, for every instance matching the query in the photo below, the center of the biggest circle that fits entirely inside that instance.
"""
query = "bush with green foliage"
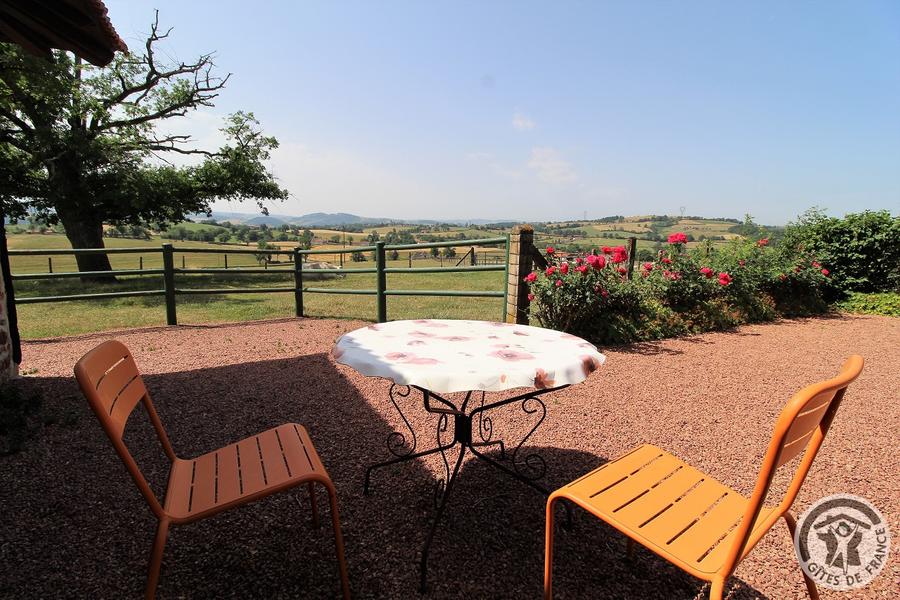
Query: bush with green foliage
(886, 303)
(682, 291)
(862, 250)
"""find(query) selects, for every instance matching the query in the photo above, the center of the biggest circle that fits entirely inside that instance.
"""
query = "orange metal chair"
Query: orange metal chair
(687, 517)
(273, 461)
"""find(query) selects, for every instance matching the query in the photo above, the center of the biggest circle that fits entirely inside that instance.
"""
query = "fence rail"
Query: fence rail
(169, 272)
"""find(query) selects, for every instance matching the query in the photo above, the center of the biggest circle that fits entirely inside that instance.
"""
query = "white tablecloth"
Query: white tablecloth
(446, 356)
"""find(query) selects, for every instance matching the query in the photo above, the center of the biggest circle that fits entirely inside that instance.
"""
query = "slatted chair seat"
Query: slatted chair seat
(257, 466)
(687, 517)
(675, 510)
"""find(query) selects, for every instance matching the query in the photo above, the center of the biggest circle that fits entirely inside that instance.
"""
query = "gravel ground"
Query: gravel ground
(74, 525)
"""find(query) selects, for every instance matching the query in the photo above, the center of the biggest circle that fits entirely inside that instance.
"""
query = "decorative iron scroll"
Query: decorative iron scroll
(485, 423)
(396, 441)
(532, 466)
(441, 483)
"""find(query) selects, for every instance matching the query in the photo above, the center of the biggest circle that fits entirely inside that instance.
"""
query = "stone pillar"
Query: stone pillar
(8, 367)
(521, 260)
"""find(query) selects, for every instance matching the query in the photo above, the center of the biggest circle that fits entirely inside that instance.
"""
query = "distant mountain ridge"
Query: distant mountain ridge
(322, 220)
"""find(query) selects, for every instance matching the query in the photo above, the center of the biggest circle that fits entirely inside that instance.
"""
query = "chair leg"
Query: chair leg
(338, 541)
(810, 584)
(548, 549)
(156, 556)
(312, 503)
(716, 588)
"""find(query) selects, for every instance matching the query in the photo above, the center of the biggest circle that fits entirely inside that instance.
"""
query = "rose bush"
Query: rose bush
(682, 291)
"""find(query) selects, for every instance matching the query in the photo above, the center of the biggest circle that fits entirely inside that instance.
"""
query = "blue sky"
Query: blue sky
(554, 110)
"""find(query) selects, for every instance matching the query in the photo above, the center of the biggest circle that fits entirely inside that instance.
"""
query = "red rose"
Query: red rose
(678, 238)
(530, 297)
(559, 283)
(607, 250)
(601, 262)
(582, 269)
(564, 268)
(579, 260)
(724, 279)
(648, 266)
(667, 260)
(551, 250)
(619, 254)
(708, 272)
(604, 293)
(550, 271)
(531, 277)
(816, 264)
(826, 272)
(762, 242)
(622, 270)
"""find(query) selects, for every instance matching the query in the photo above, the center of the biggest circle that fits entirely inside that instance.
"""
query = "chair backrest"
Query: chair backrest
(110, 380)
(800, 429)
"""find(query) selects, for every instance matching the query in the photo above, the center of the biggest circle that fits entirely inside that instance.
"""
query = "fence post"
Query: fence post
(632, 254)
(380, 282)
(49, 264)
(169, 278)
(182, 261)
(474, 261)
(298, 283)
(141, 263)
(518, 265)
(409, 257)
(226, 261)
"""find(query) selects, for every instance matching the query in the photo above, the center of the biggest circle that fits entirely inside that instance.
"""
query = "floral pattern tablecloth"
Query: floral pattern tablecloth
(446, 356)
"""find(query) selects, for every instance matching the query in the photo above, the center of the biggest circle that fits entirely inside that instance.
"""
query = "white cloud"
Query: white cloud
(495, 165)
(550, 166)
(522, 122)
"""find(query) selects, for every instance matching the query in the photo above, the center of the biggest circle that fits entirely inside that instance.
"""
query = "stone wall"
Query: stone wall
(8, 368)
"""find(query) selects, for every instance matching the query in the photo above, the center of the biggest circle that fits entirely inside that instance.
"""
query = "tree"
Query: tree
(263, 257)
(306, 239)
(79, 144)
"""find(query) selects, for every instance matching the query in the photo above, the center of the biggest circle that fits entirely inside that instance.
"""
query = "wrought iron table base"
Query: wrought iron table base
(531, 468)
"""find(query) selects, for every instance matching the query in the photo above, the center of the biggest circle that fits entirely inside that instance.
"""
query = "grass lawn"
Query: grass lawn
(69, 318)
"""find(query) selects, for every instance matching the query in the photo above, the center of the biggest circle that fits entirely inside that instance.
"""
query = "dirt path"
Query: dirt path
(73, 524)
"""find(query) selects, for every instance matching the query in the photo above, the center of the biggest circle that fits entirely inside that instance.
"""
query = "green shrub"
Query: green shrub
(681, 292)
(887, 303)
(862, 250)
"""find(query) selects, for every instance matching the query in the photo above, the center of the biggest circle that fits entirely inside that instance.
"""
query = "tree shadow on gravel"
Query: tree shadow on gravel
(74, 524)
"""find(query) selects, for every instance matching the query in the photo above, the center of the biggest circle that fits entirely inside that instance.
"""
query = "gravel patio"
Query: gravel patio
(74, 525)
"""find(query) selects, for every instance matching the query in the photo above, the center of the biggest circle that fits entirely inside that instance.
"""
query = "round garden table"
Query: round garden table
(441, 357)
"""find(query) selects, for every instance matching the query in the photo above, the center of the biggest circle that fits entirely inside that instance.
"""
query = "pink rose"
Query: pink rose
(678, 238)
(531, 277)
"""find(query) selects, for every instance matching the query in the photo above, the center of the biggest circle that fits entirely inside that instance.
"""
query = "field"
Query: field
(74, 317)
(67, 318)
